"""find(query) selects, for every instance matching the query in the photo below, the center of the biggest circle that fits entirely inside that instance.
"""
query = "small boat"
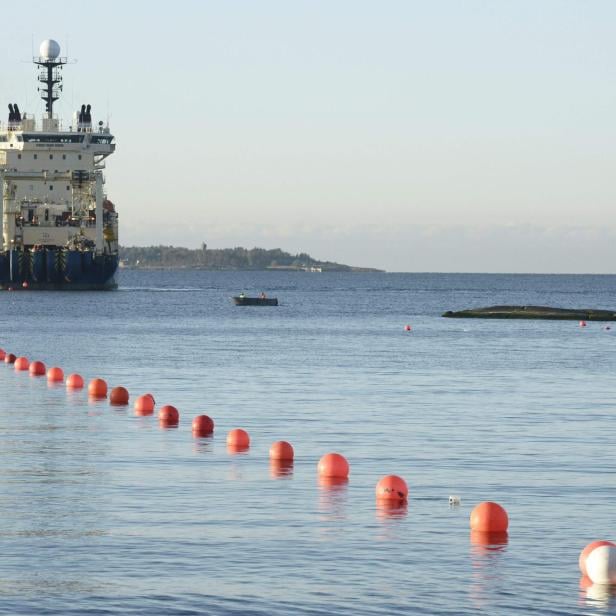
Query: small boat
(243, 300)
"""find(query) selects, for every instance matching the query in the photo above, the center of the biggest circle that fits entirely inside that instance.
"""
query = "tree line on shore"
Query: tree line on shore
(221, 258)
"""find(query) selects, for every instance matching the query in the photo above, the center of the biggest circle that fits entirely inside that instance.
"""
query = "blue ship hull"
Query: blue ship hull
(57, 269)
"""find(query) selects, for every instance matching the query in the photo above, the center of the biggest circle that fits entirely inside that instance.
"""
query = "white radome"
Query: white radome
(49, 49)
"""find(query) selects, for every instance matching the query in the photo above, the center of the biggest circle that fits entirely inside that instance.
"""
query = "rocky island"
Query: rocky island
(172, 257)
(533, 312)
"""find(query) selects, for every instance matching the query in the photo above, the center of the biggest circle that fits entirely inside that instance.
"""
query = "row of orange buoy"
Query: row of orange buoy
(487, 517)
(489, 521)
(333, 467)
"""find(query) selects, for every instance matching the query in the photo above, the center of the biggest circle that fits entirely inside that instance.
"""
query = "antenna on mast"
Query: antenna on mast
(50, 64)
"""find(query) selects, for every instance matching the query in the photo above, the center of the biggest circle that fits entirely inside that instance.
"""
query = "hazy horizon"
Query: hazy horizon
(406, 136)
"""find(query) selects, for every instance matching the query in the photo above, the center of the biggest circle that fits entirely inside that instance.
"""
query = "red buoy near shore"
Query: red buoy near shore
(489, 517)
(2, 354)
(407, 328)
(37, 368)
(333, 465)
(9, 358)
(281, 450)
(238, 438)
(55, 375)
(169, 415)
(97, 388)
(74, 381)
(22, 363)
(144, 405)
(119, 396)
(392, 488)
(202, 425)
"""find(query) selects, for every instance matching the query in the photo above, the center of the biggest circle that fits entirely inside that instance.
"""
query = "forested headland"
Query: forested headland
(176, 257)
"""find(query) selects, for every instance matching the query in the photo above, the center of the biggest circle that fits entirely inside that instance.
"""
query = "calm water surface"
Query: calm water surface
(103, 512)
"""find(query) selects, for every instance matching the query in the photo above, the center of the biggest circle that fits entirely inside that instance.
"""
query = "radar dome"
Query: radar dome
(49, 49)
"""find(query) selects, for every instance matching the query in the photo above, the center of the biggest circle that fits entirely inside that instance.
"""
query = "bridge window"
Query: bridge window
(42, 138)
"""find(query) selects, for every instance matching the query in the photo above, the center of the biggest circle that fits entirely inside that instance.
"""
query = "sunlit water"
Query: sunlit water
(105, 512)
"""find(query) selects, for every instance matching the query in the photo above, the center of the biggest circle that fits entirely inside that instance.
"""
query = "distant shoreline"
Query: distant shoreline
(227, 259)
(347, 270)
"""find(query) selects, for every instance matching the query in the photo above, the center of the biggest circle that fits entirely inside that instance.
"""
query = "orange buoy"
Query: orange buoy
(392, 488)
(144, 405)
(233, 449)
(169, 415)
(37, 368)
(407, 328)
(588, 549)
(119, 396)
(25, 284)
(74, 381)
(9, 358)
(582, 323)
(333, 465)
(55, 375)
(2, 354)
(151, 397)
(281, 450)
(489, 517)
(238, 438)
(22, 363)
(97, 388)
(202, 425)
(332, 483)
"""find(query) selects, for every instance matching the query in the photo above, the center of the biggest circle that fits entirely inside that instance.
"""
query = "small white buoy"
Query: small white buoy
(454, 500)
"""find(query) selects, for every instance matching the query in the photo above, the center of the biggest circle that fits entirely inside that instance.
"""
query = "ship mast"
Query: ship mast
(50, 75)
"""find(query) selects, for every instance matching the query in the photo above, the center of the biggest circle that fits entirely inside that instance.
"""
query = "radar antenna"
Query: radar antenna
(50, 65)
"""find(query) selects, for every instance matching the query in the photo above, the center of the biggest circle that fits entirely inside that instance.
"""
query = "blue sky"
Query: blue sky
(411, 136)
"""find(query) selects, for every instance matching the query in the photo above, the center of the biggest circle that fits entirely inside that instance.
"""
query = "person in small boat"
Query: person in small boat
(242, 295)
(263, 296)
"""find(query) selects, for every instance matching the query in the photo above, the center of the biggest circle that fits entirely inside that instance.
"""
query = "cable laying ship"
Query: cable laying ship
(59, 230)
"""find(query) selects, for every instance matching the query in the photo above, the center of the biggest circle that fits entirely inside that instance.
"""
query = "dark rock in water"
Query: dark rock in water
(533, 312)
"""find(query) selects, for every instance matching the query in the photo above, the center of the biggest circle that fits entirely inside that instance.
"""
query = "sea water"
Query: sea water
(103, 512)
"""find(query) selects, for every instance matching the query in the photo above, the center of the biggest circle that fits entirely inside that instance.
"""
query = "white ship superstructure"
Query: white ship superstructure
(58, 228)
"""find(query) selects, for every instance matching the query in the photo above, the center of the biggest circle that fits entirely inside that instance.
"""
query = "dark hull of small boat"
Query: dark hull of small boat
(256, 301)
